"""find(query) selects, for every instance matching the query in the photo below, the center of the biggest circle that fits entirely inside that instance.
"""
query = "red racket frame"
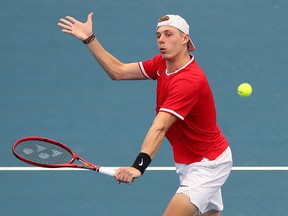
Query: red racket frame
(85, 164)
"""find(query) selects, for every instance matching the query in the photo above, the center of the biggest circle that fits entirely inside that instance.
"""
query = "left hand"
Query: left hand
(127, 174)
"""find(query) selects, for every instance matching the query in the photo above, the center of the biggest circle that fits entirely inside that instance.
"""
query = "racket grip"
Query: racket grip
(107, 171)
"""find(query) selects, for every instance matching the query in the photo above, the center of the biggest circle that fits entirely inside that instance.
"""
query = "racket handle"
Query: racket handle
(107, 171)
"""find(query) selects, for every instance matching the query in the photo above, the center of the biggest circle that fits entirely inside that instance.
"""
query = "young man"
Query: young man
(185, 110)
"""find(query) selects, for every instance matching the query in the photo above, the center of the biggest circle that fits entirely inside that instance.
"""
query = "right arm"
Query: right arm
(115, 69)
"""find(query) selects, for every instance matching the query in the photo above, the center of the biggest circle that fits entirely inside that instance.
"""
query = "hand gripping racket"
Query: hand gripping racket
(43, 152)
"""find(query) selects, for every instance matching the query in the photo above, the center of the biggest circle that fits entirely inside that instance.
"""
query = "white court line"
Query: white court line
(165, 168)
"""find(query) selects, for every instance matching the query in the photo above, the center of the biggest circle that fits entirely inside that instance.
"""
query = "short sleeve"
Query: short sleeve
(150, 67)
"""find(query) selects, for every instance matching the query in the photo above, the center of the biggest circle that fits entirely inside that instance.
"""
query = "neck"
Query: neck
(176, 63)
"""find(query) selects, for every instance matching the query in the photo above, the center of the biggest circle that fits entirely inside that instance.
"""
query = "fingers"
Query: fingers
(71, 19)
(78, 29)
(124, 175)
(66, 25)
(66, 22)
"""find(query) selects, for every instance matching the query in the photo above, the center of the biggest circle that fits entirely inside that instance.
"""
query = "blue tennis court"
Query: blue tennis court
(51, 86)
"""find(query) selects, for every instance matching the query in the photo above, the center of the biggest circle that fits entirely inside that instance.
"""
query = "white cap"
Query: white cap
(179, 23)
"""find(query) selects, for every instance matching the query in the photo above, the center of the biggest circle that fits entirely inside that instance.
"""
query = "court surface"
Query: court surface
(51, 86)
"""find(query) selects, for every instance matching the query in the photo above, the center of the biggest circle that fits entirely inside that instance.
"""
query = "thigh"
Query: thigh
(215, 203)
(180, 205)
(202, 182)
(212, 213)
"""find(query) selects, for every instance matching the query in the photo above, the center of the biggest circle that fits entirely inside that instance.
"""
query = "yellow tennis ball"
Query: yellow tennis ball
(245, 90)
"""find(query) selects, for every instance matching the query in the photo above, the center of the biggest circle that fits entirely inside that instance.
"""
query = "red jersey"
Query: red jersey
(186, 94)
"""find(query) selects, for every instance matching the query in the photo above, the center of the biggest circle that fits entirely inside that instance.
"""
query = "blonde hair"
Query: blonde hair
(163, 18)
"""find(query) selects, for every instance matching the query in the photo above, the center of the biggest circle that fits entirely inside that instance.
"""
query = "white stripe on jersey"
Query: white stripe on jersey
(172, 112)
(143, 70)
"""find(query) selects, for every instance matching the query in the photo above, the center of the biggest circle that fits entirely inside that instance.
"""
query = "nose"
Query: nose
(160, 39)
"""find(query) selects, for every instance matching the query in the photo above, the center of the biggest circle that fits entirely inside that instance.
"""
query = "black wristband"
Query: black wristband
(142, 162)
(89, 39)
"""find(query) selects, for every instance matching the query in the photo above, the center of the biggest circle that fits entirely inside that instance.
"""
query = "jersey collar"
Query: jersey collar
(192, 59)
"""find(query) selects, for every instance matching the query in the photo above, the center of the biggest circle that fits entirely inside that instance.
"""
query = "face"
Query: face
(171, 41)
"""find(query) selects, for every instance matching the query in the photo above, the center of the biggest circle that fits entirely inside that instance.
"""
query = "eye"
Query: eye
(168, 34)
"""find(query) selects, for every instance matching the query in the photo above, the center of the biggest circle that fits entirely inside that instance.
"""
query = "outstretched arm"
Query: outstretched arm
(150, 147)
(115, 69)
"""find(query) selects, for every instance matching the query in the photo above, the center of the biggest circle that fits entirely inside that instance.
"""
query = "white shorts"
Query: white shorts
(202, 181)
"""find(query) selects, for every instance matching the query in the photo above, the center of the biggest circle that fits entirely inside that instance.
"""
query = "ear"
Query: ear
(186, 38)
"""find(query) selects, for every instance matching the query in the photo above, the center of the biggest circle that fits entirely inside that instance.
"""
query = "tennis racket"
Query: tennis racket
(43, 152)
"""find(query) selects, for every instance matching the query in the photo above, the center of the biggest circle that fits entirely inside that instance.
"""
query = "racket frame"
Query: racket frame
(85, 164)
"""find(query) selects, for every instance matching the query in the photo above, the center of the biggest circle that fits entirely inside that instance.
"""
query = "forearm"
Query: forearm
(149, 149)
(115, 69)
(111, 65)
(156, 133)
(153, 140)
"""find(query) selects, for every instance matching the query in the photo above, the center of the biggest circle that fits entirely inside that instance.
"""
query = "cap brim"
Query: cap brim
(191, 46)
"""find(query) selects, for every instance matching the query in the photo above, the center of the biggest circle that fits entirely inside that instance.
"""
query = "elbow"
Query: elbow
(114, 78)
(115, 75)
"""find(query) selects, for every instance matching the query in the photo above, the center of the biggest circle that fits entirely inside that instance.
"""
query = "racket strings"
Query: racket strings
(43, 152)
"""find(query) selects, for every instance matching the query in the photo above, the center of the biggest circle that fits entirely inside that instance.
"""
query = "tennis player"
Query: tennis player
(185, 114)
